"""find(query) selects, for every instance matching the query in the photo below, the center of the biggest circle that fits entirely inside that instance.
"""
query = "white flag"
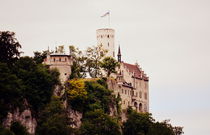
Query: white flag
(107, 13)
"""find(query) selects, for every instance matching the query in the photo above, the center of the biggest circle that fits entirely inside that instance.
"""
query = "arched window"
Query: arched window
(107, 36)
(136, 105)
(140, 107)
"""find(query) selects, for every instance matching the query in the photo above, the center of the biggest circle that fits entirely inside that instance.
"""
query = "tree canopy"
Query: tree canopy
(144, 124)
(109, 65)
(9, 47)
(94, 55)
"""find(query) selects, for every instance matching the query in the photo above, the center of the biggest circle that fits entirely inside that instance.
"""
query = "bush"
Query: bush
(18, 129)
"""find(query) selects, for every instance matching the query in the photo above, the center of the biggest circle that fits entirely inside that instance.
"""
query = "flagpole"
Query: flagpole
(109, 19)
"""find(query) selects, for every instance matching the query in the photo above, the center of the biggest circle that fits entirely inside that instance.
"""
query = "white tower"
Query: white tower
(105, 37)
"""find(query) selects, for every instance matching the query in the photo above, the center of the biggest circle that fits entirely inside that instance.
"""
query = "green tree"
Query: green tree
(78, 69)
(53, 119)
(40, 56)
(98, 123)
(144, 124)
(10, 90)
(109, 64)
(39, 82)
(99, 97)
(9, 47)
(94, 55)
(76, 93)
(137, 124)
(161, 128)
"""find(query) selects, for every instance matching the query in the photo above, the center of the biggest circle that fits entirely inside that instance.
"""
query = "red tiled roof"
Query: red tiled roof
(137, 72)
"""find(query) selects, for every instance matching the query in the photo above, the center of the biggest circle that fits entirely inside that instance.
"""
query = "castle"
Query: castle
(131, 81)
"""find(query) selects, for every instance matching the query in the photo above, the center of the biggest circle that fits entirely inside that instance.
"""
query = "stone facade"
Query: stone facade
(62, 62)
(133, 87)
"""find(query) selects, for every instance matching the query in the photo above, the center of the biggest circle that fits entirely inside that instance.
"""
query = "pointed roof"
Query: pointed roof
(119, 52)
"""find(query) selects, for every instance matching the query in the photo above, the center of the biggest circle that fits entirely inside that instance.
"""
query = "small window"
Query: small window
(122, 91)
(65, 59)
(54, 59)
(145, 95)
(140, 94)
(125, 91)
(107, 36)
(65, 73)
(59, 59)
(108, 43)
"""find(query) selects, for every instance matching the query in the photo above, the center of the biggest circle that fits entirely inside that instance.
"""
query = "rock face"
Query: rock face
(25, 118)
(75, 117)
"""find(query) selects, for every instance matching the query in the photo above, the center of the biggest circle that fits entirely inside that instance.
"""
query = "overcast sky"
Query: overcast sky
(170, 39)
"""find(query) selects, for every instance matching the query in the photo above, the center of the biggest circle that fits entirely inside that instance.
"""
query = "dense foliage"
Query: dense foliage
(78, 68)
(99, 123)
(109, 65)
(15, 129)
(53, 119)
(9, 47)
(40, 56)
(24, 82)
(76, 94)
(94, 56)
(94, 100)
(144, 124)
(10, 90)
(18, 129)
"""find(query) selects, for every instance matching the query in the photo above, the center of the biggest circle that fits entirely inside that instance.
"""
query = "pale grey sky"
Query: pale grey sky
(170, 39)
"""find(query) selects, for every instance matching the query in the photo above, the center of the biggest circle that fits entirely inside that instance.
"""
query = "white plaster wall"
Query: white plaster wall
(106, 38)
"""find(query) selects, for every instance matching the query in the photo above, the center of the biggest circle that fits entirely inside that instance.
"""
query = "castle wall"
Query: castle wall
(134, 92)
(62, 63)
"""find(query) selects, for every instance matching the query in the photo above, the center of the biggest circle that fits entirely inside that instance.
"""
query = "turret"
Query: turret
(119, 55)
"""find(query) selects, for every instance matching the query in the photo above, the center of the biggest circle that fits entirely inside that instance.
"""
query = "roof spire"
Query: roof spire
(119, 54)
